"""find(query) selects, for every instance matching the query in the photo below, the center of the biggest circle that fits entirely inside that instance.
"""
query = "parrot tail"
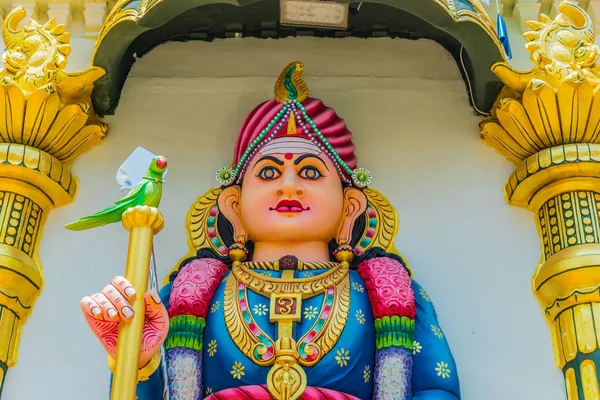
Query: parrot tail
(101, 218)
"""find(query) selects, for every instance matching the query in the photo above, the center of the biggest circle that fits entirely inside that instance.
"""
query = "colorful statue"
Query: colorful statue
(294, 289)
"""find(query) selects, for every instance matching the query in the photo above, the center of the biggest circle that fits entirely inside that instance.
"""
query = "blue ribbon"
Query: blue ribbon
(503, 35)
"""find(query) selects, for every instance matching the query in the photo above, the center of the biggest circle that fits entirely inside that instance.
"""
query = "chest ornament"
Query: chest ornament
(286, 379)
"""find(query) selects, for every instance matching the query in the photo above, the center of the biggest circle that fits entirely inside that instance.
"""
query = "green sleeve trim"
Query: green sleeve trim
(394, 331)
(185, 331)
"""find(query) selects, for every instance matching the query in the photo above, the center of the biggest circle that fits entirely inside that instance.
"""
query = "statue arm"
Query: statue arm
(435, 376)
(392, 299)
(190, 299)
(187, 300)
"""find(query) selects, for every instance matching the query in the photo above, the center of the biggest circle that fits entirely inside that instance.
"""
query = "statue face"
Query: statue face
(291, 197)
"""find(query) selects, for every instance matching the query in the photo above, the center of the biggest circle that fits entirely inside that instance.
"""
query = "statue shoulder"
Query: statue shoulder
(194, 286)
(389, 286)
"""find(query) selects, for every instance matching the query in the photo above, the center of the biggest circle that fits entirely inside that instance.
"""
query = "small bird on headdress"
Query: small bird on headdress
(147, 192)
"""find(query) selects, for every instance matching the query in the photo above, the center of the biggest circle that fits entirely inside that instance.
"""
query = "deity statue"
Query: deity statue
(293, 289)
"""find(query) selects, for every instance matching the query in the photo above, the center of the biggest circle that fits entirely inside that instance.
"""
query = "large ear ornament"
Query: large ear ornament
(202, 223)
(382, 224)
(201, 226)
(229, 205)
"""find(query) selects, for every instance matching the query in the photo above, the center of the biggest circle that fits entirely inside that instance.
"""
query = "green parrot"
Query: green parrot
(147, 192)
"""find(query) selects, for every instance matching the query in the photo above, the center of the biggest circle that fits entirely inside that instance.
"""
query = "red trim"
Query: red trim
(260, 392)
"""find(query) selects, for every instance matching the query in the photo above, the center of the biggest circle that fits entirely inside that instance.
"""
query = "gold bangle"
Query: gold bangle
(144, 372)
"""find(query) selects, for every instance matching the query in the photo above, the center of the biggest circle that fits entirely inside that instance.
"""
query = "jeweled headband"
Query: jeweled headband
(304, 119)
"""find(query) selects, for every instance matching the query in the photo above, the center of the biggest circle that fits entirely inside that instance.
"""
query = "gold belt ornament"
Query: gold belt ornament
(286, 379)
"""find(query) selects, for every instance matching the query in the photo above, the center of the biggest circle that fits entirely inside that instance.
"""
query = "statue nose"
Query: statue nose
(290, 186)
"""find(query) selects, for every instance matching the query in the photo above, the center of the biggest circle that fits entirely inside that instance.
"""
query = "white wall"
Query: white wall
(414, 129)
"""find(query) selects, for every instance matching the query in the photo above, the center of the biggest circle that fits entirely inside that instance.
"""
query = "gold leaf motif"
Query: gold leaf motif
(514, 120)
(387, 226)
(12, 103)
(198, 220)
(592, 130)
(574, 103)
(41, 105)
(541, 105)
(388, 223)
(330, 333)
(554, 103)
(197, 226)
(495, 136)
(239, 332)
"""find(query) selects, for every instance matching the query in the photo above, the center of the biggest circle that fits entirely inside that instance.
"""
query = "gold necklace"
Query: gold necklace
(307, 287)
(302, 266)
(286, 379)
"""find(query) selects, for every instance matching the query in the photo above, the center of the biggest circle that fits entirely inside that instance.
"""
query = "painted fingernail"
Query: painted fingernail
(96, 311)
(130, 291)
(155, 297)
(127, 312)
(111, 313)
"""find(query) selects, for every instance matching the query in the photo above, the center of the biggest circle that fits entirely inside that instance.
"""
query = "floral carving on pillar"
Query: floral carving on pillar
(46, 121)
(547, 122)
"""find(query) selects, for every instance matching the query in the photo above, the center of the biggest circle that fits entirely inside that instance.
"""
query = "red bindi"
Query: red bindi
(288, 156)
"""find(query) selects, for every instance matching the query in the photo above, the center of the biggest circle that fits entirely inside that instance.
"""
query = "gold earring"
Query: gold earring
(241, 239)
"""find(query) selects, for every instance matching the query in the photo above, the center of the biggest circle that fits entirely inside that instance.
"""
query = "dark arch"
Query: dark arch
(135, 27)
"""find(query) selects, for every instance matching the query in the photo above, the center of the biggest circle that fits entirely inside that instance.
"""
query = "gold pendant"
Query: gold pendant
(286, 379)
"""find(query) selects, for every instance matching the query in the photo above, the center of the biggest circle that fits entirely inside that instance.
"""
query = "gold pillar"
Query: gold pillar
(547, 122)
(46, 120)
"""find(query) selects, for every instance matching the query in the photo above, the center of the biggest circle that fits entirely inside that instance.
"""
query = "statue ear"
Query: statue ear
(229, 206)
(355, 204)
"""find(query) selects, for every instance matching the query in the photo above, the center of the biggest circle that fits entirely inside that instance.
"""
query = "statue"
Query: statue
(294, 289)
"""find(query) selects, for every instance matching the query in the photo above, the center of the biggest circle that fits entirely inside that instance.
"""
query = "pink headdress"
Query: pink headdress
(293, 114)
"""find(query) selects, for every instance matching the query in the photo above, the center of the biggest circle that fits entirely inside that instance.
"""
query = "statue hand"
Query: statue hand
(103, 311)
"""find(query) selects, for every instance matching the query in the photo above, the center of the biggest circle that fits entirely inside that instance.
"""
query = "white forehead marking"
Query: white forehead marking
(292, 145)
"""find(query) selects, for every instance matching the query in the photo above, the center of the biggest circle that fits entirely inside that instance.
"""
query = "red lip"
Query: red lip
(289, 206)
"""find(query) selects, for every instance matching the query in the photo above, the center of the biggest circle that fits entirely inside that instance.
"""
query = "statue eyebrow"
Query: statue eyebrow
(270, 158)
(305, 156)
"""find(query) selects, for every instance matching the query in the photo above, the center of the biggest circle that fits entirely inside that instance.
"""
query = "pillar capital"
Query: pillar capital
(47, 122)
(547, 122)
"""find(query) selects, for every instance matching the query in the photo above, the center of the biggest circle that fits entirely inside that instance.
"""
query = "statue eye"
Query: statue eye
(310, 172)
(269, 173)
